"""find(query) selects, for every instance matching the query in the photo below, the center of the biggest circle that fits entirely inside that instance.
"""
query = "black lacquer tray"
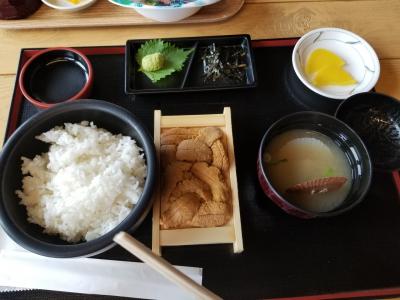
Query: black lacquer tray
(353, 255)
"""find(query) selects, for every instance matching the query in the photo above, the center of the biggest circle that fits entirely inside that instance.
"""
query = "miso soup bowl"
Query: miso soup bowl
(343, 136)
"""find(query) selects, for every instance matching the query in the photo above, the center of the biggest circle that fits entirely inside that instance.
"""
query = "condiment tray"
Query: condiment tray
(191, 77)
(356, 254)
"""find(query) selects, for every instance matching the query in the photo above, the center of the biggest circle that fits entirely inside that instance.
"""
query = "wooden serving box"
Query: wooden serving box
(231, 233)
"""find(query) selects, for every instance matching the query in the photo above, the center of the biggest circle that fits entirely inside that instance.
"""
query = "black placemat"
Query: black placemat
(283, 256)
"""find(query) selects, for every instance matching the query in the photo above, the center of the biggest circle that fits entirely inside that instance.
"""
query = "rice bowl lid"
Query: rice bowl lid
(176, 5)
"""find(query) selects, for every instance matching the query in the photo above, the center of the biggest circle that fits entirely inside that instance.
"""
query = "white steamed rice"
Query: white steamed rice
(85, 185)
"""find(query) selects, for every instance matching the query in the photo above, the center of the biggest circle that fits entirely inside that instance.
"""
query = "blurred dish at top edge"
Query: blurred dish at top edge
(165, 11)
(12, 10)
(67, 5)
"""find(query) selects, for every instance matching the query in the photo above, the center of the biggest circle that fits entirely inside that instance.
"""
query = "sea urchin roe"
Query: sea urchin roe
(153, 62)
(324, 68)
(195, 187)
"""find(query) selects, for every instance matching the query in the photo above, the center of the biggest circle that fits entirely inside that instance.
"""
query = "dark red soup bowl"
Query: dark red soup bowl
(347, 140)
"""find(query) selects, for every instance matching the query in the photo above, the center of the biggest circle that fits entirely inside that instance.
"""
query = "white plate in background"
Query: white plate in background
(65, 5)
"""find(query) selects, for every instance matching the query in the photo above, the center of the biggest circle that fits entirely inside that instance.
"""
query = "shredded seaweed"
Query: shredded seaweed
(224, 63)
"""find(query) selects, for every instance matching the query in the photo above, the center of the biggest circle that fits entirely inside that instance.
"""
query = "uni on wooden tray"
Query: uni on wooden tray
(197, 200)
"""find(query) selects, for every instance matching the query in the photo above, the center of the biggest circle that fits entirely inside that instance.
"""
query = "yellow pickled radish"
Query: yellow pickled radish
(74, 1)
(324, 67)
(332, 76)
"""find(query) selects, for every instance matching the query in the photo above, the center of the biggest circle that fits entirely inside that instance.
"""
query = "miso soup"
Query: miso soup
(308, 169)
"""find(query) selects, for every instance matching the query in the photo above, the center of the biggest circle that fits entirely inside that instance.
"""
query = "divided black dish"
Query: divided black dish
(190, 78)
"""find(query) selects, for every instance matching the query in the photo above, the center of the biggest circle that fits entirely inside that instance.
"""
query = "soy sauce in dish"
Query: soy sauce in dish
(58, 80)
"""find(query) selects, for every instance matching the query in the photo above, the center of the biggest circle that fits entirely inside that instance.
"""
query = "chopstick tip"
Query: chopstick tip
(119, 236)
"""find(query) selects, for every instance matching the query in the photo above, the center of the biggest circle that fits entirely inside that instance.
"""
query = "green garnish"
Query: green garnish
(153, 62)
(158, 59)
(329, 172)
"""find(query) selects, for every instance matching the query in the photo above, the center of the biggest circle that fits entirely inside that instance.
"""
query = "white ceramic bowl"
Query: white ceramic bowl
(361, 60)
(65, 5)
(168, 13)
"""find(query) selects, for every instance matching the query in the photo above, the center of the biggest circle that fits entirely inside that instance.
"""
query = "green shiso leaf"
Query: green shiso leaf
(329, 172)
(174, 58)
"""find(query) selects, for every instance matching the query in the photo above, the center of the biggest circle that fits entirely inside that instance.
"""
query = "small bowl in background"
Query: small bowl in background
(361, 60)
(65, 5)
(13, 215)
(13, 10)
(56, 75)
(166, 13)
(348, 141)
(376, 119)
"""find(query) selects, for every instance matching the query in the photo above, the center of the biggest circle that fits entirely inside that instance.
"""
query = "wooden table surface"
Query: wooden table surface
(375, 20)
